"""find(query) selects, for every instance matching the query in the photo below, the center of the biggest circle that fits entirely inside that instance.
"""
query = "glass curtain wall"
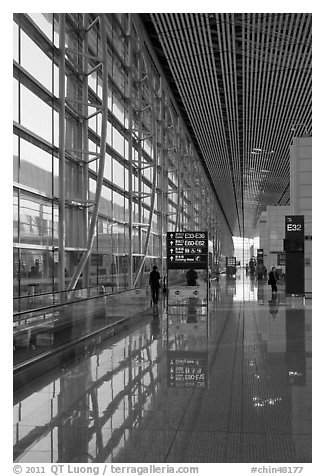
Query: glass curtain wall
(153, 180)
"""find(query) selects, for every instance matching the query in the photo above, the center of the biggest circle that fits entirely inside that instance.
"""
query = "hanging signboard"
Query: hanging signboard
(187, 249)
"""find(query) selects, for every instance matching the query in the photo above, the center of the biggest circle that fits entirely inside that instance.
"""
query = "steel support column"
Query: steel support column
(62, 177)
(100, 174)
(178, 165)
(154, 173)
(85, 143)
(130, 121)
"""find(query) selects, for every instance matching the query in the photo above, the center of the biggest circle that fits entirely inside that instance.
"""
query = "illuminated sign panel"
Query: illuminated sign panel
(294, 226)
(187, 250)
(294, 244)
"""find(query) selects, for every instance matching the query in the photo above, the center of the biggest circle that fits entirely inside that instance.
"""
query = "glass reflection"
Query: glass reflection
(123, 393)
(35, 220)
(295, 346)
(35, 167)
(90, 404)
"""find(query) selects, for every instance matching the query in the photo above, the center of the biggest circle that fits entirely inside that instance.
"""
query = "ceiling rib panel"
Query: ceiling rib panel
(244, 81)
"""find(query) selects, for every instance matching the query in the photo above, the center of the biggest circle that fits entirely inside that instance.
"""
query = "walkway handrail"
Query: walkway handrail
(30, 296)
(40, 309)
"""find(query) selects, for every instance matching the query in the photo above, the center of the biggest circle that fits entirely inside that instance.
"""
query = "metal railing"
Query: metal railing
(40, 329)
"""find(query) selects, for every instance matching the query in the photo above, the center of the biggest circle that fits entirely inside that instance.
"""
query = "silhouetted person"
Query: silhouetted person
(154, 283)
(32, 273)
(273, 278)
(191, 277)
(252, 267)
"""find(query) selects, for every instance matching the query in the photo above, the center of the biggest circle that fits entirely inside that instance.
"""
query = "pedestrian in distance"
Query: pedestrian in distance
(273, 278)
(154, 283)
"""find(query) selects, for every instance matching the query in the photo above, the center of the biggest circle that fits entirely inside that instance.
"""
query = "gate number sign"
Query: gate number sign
(294, 226)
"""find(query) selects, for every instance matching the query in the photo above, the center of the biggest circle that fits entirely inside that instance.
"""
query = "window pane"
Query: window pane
(15, 42)
(15, 217)
(105, 204)
(16, 160)
(55, 225)
(118, 109)
(15, 272)
(92, 81)
(36, 271)
(56, 30)
(15, 98)
(35, 220)
(118, 174)
(44, 21)
(35, 61)
(92, 188)
(118, 204)
(36, 115)
(74, 227)
(56, 128)
(118, 142)
(108, 167)
(74, 178)
(35, 167)
(55, 176)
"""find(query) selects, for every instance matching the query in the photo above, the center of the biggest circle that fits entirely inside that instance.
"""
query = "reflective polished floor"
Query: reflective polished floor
(217, 382)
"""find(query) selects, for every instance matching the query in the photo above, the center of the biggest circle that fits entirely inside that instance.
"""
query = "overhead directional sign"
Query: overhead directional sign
(187, 249)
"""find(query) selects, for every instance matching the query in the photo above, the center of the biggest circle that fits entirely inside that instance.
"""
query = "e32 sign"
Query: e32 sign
(294, 226)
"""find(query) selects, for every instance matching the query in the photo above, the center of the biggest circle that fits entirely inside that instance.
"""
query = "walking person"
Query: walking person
(273, 278)
(154, 283)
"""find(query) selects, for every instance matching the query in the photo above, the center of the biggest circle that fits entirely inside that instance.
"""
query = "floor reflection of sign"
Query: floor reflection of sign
(187, 250)
(187, 369)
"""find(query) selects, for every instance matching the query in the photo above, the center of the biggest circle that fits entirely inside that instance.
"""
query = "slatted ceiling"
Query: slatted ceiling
(195, 88)
(243, 80)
